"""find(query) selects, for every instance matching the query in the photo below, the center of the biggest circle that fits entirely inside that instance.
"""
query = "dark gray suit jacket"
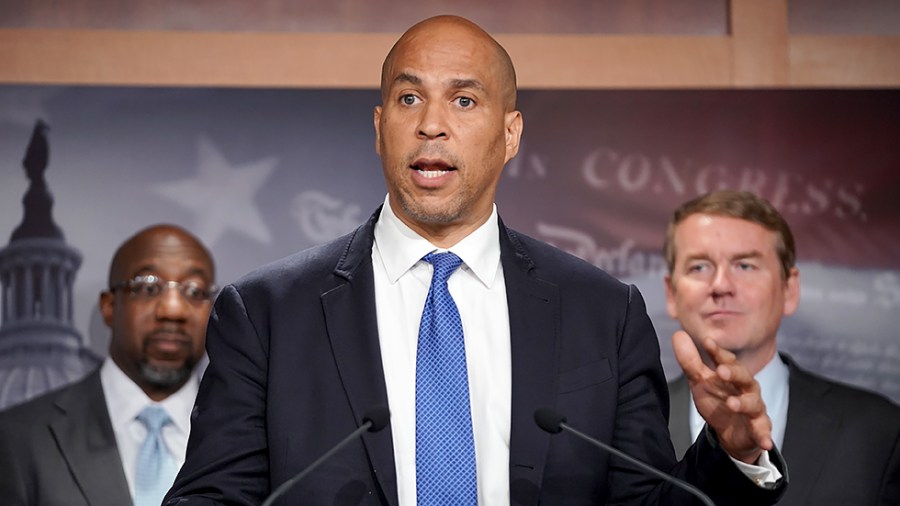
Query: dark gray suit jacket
(842, 443)
(59, 450)
(295, 361)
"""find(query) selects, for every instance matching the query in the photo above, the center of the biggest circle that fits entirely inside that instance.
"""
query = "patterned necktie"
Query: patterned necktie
(156, 469)
(445, 449)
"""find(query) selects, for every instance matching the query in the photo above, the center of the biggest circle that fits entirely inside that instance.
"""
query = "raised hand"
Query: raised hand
(728, 398)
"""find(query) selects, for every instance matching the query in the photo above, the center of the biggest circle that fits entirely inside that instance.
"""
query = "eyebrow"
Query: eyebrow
(747, 254)
(457, 84)
(738, 256)
(193, 271)
(405, 77)
(144, 269)
(460, 84)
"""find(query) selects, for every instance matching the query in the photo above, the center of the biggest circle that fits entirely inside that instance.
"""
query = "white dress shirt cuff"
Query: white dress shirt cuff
(764, 473)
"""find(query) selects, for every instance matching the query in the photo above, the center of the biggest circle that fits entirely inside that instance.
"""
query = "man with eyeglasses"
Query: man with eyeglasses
(119, 435)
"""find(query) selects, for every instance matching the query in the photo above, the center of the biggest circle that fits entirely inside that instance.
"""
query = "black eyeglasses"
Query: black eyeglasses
(149, 287)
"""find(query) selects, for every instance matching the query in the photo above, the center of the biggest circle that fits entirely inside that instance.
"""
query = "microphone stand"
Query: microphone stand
(373, 420)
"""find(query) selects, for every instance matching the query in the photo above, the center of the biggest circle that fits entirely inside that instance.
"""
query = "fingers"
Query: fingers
(744, 392)
(763, 437)
(718, 354)
(728, 368)
(761, 430)
(729, 389)
(752, 406)
(738, 377)
(688, 357)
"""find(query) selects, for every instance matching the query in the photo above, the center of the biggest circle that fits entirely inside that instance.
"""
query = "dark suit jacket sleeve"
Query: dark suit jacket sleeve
(640, 423)
(227, 454)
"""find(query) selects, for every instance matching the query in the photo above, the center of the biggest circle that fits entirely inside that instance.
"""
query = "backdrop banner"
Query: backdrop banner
(261, 173)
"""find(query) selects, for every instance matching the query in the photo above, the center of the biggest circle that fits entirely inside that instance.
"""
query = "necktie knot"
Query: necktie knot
(444, 264)
(154, 418)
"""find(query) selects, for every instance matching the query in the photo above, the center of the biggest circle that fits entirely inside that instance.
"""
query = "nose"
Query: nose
(722, 284)
(432, 122)
(172, 305)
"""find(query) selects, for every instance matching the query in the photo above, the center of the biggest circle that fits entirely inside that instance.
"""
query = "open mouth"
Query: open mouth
(429, 168)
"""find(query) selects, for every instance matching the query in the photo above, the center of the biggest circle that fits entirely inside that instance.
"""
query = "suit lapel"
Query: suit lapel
(534, 314)
(88, 444)
(803, 448)
(354, 342)
(679, 415)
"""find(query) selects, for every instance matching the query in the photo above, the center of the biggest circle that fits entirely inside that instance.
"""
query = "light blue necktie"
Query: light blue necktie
(156, 469)
(445, 449)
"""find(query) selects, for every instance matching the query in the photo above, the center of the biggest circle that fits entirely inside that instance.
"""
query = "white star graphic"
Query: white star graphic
(221, 195)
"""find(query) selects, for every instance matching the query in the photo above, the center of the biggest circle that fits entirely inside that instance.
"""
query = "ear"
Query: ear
(514, 125)
(377, 121)
(670, 298)
(792, 291)
(107, 305)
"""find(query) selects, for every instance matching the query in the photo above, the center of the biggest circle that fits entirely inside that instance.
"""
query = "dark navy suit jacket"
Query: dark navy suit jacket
(842, 443)
(295, 362)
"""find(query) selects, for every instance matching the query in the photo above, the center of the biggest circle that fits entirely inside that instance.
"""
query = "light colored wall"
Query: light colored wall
(757, 49)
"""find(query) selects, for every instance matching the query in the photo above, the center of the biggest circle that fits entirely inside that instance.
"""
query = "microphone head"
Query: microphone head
(549, 419)
(379, 416)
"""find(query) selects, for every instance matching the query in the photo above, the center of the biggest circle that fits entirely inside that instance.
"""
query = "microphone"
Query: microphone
(554, 422)
(375, 419)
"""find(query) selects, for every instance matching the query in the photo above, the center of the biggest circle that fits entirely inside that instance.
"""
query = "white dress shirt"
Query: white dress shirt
(478, 288)
(125, 400)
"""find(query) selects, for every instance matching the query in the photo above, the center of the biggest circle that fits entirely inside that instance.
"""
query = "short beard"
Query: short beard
(420, 214)
(165, 378)
(445, 215)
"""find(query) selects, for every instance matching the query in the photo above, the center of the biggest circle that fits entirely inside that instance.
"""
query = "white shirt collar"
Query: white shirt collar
(773, 380)
(401, 247)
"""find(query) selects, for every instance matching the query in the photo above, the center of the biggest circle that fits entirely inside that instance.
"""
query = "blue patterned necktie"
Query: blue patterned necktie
(156, 469)
(445, 448)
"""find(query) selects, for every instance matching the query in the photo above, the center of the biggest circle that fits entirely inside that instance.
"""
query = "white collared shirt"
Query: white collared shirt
(125, 400)
(479, 290)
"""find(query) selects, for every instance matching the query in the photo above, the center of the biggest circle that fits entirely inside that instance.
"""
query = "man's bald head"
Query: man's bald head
(139, 243)
(455, 27)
